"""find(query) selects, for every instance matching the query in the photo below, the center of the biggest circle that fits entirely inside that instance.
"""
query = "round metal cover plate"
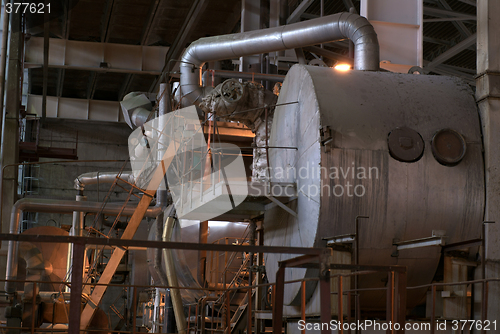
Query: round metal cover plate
(405, 144)
(448, 147)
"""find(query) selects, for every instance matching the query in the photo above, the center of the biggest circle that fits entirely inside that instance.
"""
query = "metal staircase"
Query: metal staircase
(146, 197)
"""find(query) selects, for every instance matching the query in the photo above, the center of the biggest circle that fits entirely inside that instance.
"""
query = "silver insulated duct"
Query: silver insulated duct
(321, 30)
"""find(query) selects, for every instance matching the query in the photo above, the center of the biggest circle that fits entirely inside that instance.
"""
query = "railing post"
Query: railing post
(75, 306)
(278, 301)
(390, 300)
(400, 288)
(325, 300)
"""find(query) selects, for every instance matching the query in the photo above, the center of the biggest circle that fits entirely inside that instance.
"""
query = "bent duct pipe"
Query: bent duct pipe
(101, 177)
(321, 30)
(58, 206)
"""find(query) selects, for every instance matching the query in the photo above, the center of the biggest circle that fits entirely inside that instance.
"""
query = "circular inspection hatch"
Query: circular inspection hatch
(405, 144)
(448, 147)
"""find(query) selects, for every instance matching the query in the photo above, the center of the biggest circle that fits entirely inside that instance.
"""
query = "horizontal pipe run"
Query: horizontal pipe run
(101, 177)
(321, 30)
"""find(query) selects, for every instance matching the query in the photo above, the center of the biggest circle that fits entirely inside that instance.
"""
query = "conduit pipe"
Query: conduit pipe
(58, 206)
(175, 294)
(101, 177)
(321, 30)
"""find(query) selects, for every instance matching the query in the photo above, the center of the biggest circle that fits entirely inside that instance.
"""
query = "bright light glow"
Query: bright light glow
(217, 223)
(343, 67)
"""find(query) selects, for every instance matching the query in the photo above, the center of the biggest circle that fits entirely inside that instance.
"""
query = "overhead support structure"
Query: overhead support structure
(82, 109)
(469, 2)
(96, 57)
(444, 13)
(453, 51)
(10, 133)
(460, 26)
(301, 8)
(175, 50)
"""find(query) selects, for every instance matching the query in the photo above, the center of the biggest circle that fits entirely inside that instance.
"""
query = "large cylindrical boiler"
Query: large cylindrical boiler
(403, 149)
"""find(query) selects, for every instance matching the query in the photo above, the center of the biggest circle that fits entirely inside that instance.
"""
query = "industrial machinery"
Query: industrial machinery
(379, 163)
(403, 150)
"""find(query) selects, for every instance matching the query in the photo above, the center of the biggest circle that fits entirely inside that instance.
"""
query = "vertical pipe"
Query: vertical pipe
(400, 288)
(10, 135)
(169, 317)
(134, 310)
(46, 35)
(3, 65)
(485, 304)
(483, 273)
(164, 107)
(325, 301)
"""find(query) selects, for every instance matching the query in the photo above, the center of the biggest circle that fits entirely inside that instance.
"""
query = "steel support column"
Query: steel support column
(488, 99)
(10, 131)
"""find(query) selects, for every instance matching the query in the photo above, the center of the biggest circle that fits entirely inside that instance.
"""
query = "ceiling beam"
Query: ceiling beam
(301, 8)
(60, 81)
(348, 4)
(92, 85)
(106, 19)
(150, 22)
(175, 50)
(451, 52)
(449, 19)
(437, 41)
(140, 60)
(464, 31)
(125, 86)
(66, 19)
(469, 2)
(446, 13)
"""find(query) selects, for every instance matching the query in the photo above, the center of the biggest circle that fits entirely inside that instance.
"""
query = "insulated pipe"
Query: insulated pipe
(321, 30)
(180, 318)
(58, 206)
(164, 107)
(101, 177)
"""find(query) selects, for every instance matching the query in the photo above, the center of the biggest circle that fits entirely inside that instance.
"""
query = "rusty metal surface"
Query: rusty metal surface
(404, 201)
(448, 147)
(54, 256)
